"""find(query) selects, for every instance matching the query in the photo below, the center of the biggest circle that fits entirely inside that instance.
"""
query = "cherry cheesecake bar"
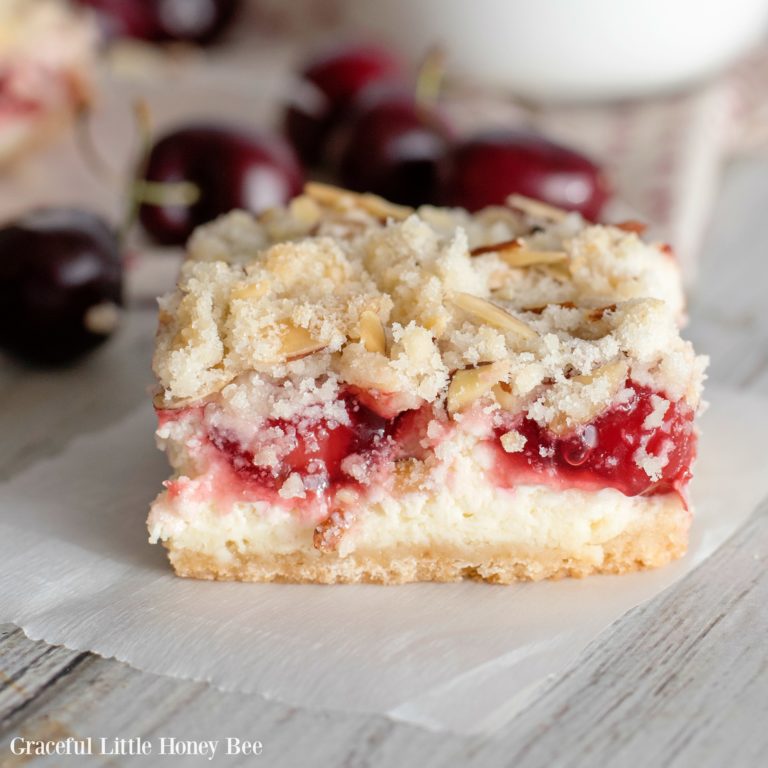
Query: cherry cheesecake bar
(47, 52)
(350, 390)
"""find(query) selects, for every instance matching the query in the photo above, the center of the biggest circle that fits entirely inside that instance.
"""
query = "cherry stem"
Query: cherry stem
(146, 191)
(429, 81)
(183, 193)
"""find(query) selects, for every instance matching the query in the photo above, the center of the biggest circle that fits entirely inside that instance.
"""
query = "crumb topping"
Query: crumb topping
(518, 308)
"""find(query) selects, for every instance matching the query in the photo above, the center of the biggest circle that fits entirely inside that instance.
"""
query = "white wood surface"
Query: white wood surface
(680, 681)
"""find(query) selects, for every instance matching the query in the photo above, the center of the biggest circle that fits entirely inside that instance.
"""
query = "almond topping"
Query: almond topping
(296, 342)
(514, 253)
(504, 245)
(525, 258)
(469, 384)
(632, 225)
(506, 399)
(336, 197)
(491, 314)
(305, 210)
(536, 208)
(615, 373)
(597, 314)
(372, 332)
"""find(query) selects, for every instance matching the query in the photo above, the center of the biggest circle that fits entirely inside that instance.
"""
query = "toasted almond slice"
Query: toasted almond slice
(597, 313)
(327, 194)
(250, 290)
(489, 313)
(296, 342)
(337, 197)
(541, 307)
(515, 253)
(305, 210)
(615, 373)
(560, 270)
(504, 245)
(469, 384)
(525, 258)
(383, 209)
(372, 332)
(536, 208)
(506, 399)
(632, 225)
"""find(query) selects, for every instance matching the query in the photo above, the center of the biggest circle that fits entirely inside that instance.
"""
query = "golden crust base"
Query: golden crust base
(650, 544)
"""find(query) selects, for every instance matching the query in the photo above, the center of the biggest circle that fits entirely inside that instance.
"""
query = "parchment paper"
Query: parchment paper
(76, 569)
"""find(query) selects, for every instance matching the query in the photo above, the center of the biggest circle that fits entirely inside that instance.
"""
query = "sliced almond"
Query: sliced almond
(305, 210)
(372, 333)
(297, 342)
(522, 257)
(536, 208)
(383, 209)
(336, 197)
(469, 384)
(541, 307)
(559, 270)
(615, 373)
(489, 313)
(250, 290)
(506, 398)
(597, 314)
(632, 225)
(436, 324)
(504, 245)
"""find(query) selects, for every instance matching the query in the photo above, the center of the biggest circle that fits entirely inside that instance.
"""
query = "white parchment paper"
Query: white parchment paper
(75, 569)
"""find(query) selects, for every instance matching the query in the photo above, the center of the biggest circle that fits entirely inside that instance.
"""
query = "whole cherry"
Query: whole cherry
(60, 284)
(227, 167)
(394, 146)
(486, 169)
(329, 83)
(191, 21)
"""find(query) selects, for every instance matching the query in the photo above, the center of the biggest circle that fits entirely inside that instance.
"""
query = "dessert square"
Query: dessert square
(47, 53)
(350, 390)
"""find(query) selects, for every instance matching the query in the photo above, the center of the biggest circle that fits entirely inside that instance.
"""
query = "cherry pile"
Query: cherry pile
(357, 118)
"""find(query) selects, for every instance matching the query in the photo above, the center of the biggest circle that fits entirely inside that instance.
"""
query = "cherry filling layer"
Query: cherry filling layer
(630, 447)
(613, 451)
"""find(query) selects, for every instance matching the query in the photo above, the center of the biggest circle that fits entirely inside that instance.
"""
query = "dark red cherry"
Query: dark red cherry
(394, 147)
(60, 284)
(230, 167)
(486, 169)
(191, 21)
(329, 84)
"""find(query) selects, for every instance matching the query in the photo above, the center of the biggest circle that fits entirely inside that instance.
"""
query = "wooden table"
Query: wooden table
(680, 681)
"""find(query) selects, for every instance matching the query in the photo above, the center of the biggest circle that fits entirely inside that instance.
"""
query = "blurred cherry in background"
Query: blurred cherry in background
(190, 21)
(229, 167)
(485, 169)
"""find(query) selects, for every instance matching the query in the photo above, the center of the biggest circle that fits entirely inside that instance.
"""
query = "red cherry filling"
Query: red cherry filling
(604, 453)
(601, 454)
(317, 449)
